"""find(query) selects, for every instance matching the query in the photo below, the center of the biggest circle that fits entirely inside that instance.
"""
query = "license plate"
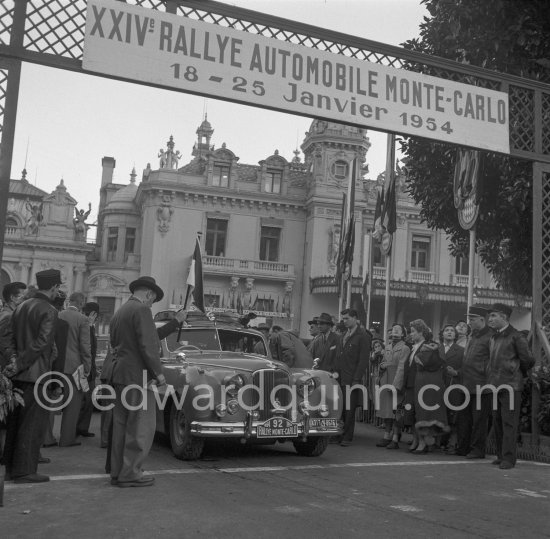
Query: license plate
(277, 427)
(323, 423)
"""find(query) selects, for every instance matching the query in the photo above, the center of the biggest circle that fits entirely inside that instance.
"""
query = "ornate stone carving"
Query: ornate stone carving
(165, 211)
(79, 222)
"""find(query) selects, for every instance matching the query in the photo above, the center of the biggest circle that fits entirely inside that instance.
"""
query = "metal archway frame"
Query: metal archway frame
(51, 33)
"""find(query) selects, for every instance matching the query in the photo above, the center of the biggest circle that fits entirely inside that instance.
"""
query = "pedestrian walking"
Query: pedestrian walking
(510, 359)
(34, 330)
(78, 364)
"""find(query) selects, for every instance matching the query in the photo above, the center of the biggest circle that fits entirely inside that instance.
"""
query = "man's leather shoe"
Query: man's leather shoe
(392, 445)
(145, 481)
(32, 478)
(383, 443)
(43, 460)
(114, 481)
(85, 434)
(53, 444)
(505, 465)
(345, 443)
(496, 462)
(473, 455)
(73, 444)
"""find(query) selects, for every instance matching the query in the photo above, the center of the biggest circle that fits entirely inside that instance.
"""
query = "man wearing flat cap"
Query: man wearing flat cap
(34, 322)
(135, 346)
(510, 359)
(473, 420)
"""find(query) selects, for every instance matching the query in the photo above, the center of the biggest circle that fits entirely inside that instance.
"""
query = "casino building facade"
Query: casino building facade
(269, 233)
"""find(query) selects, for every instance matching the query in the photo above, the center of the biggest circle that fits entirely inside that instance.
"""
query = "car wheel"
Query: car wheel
(312, 447)
(184, 445)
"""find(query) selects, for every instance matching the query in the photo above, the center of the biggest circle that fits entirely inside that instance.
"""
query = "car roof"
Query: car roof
(198, 320)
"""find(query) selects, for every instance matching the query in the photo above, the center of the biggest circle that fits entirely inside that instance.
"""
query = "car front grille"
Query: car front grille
(264, 399)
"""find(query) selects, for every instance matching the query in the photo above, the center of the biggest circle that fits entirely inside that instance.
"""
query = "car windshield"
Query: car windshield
(205, 339)
(240, 341)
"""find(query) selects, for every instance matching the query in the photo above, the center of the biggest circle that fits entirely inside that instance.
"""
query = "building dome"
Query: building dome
(124, 198)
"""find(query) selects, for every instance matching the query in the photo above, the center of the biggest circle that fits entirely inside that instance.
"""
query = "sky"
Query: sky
(67, 122)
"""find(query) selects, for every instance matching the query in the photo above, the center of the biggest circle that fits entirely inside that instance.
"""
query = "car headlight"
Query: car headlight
(232, 406)
(221, 410)
(233, 384)
(306, 385)
(323, 410)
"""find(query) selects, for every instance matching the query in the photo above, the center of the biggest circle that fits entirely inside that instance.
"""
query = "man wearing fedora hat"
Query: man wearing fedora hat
(34, 322)
(473, 420)
(510, 359)
(328, 342)
(135, 346)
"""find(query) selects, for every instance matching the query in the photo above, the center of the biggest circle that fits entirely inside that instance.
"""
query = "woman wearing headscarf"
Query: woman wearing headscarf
(429, 406)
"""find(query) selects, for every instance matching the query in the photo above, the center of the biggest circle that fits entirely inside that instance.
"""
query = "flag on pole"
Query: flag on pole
(349, 237)
(390, 211)
(339, 258)
(378, 230)
(195, 280)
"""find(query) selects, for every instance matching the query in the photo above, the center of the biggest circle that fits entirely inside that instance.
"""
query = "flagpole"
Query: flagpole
(390, 157)
(471, 267)
(369, 278)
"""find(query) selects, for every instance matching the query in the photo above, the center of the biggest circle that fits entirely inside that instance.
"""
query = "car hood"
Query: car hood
(231, 360)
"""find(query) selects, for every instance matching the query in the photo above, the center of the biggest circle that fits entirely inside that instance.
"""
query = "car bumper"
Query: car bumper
(249, 429)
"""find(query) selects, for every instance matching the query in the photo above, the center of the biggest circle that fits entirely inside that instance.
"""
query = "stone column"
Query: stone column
(23, 268)
(79, 270)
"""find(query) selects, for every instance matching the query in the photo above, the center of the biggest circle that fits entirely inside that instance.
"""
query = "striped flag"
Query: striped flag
(195, 280)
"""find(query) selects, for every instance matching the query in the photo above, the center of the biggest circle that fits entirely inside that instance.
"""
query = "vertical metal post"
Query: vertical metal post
(10, 114)
(536, 311)
(387, 298)
(471, 267)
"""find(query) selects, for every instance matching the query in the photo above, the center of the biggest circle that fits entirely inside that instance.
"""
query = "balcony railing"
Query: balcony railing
(220, 264)
(14, 232)
(420, 276)
(462, 280)
(379, 272)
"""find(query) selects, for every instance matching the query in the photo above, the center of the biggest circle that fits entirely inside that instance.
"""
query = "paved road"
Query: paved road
(358, 491)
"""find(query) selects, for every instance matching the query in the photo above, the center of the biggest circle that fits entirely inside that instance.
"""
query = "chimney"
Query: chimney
(108, 165)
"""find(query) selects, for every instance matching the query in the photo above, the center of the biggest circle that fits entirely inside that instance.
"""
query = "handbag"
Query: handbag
(400, 415)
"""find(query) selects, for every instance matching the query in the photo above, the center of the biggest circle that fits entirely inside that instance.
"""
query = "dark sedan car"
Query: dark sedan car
(219, 386)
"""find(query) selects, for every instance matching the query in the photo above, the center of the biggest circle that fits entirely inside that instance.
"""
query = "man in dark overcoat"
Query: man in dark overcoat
(34, 323)
(136, 362)
(510, 359)
(328, 344)
(473, 419)
(351, 366)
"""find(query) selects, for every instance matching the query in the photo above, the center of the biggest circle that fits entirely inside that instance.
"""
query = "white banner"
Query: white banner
(193, 56)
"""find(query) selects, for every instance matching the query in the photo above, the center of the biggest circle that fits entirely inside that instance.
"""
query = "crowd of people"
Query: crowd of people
(444, 393)
(447, 394)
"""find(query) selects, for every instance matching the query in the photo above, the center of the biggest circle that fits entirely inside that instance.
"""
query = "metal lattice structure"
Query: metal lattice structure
(545, 249)
(51, 33)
